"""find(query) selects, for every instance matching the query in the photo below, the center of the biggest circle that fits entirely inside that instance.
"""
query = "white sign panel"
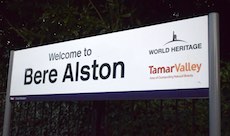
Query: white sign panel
(159, 61)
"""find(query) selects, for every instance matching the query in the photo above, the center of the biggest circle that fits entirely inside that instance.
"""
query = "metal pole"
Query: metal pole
(7, 115)
(214, 80)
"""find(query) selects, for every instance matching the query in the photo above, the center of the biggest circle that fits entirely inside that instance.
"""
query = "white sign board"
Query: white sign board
(168, 60)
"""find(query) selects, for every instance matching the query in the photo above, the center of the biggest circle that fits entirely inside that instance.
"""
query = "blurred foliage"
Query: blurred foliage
(35, 23)
(225, 97)
(2, 105)
(61, 21)
(225, 78)
(126, 118)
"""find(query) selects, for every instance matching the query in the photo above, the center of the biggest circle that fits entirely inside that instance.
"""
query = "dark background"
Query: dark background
(30, 23)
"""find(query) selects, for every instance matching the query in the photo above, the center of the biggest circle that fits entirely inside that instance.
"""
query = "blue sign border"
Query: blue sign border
(130, 95)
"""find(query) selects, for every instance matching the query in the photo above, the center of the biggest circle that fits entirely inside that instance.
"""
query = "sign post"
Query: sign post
(7, 114)
(214, 80)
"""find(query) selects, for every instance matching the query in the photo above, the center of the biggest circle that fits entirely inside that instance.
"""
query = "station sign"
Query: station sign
(168, 60)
